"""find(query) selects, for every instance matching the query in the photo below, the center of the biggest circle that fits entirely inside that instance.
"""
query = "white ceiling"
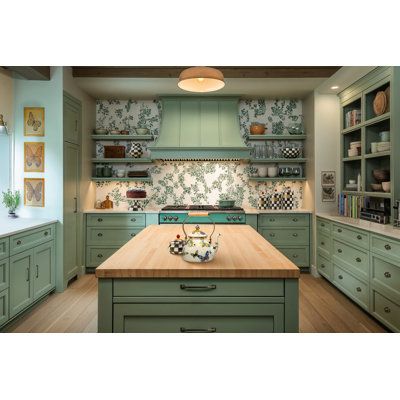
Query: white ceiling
(149, 88)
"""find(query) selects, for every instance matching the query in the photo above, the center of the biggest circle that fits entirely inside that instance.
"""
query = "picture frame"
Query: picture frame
(34, 156)
(328, 178)
(34, 121)
(328, 194)
(34, 192)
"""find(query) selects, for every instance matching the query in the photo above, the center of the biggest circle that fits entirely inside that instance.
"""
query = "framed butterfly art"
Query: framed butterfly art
(34, 192)
(34, 157)
(34, 121)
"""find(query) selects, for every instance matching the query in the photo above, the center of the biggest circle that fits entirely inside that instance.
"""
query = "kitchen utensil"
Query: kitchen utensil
(291, 152)
(384, 136)
(107, 171)
(198, 248)
(272, 172)
(226, 203)
(142, 131)
(379, 103)
(100, 131)
(136, 194)
(295, 128)
(114, 151)
(257, 128)
(376, 187)
(381, 175)
(386, 186)
(263, 171)
(374, 147)
(135, 150)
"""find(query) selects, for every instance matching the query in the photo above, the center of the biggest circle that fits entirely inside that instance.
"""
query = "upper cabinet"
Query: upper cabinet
(71, 119)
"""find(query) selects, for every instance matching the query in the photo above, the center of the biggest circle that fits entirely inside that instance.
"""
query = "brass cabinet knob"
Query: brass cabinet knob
(322, 224)
(272, 234)
(18, 242)
(271, 219)
(100, 255)
(322, 243)
(295, 235)
(358, 289)
(339, 230)
(339, 250)
(294, 219)
(340, 276)
(388, 247)
(322, 265)
(387, 274)
(133, 219)
(99, 234)
(133, 234)
(46, 233)
(295, 256)
(358, 259)
(387, 309)
(100, 219)
(359, 237)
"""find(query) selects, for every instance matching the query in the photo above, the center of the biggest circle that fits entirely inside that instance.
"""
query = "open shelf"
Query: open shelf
(384, 195)
(122, 160)
(277, 137)
(122, 137)
(144, 179)
(278, 160)
(278, 178)
(378, 154)
(355, 158)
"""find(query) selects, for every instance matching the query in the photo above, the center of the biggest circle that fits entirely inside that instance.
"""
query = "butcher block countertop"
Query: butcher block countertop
(242, 253)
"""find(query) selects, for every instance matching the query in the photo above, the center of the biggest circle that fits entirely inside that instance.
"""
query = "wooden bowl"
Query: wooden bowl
(381, 175)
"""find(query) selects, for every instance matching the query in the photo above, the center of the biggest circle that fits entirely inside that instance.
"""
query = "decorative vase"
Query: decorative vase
(136, 150)
(11, 214)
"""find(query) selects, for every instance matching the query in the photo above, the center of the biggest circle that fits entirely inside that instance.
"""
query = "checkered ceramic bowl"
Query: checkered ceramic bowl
(289, 152)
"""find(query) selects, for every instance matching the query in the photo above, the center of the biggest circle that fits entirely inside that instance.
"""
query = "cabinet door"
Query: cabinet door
(21, 287)
(43, 269)
(72, 120)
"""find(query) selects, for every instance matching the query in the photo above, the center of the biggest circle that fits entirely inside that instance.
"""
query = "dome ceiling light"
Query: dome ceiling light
(201, 79)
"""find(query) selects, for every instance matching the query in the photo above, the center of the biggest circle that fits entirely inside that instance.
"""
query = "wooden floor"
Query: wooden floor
(322, 309)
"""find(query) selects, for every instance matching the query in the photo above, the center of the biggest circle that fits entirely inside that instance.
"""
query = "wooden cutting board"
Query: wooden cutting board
(380, 103)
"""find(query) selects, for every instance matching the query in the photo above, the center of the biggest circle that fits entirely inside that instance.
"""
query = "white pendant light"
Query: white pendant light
(3, 127)
(201, 79)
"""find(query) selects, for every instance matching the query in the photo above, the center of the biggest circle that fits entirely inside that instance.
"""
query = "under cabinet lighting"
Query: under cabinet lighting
(334, 87)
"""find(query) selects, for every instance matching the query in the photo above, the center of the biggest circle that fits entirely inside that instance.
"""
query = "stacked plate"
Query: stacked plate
(383, 146)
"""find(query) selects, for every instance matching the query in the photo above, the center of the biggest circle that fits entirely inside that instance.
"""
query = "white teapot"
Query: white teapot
(198, 248)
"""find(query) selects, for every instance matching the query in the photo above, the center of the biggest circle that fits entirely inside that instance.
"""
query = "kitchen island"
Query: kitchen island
(248, 287)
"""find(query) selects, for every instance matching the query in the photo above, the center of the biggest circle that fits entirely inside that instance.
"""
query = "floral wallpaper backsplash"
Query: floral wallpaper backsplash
(195, 182)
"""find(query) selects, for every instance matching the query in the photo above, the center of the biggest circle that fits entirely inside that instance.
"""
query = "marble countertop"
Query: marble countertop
(12, 226)
(380, 229)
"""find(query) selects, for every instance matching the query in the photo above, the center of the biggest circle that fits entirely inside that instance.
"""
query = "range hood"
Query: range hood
(200, 128)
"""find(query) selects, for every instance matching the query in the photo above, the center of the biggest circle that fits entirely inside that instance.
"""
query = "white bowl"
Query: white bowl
(142, 131)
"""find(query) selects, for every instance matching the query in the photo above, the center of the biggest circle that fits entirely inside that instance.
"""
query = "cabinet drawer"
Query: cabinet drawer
(386, 310)
(351, 258)
(386, 247)
(3, 307)
(298, 255)
(324, 267)
(4, 273)
(110, 236)
(324, 244)
(288, 236)
(353, 287)
(4, 248)
(323, 226)
(117, 220)
(96, 255)
(385, 274)
(284, 220)
(350, 235)
(27, 240)
(196, 318)
(198, 287)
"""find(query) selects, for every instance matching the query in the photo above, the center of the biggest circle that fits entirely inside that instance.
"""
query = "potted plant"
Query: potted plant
(11, 201)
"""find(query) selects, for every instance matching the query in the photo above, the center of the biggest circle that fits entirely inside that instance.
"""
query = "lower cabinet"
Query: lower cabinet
(290, 233)
(27, 275)
(364, 266)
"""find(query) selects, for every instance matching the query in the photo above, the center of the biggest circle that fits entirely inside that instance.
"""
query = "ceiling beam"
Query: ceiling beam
(31, 73)
(229, 72)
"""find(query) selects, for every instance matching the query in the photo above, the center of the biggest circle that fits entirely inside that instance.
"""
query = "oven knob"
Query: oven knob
(169, 218)
(229, 218)
(165, 218)
(239, 218)
(234, 218)
(175, 218)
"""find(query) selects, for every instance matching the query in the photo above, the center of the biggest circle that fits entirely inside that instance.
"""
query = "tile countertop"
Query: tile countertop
(373, 227)
(247, 210)
(11, 226)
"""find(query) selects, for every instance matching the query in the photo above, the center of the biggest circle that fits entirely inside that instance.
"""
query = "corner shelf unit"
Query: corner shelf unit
(126, 161)
(360, 96)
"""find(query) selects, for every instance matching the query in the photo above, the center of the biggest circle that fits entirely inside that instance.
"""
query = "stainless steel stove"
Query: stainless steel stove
(177, 214)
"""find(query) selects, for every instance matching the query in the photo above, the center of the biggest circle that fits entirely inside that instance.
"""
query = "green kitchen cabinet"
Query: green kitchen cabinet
(3, 307)
(290, 233)
(251, 219)
(43, 274)
(71, 119)
(4, 273)
(4, 247)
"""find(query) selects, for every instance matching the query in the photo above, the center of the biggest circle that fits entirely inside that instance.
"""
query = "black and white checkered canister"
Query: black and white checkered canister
(176, 246)
(136, 150)
(288, 200)
(263, 201)
(274, 201)
(135, 205)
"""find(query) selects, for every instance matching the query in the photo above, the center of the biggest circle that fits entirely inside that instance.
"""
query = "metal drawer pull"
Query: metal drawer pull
(198, 330)
(295, 220)
(358, 289)
(387, 274)
(295, 255)
(322, 224)
(339, 230)
(100, 219)
(387, 309)
(359, 237)
(340, 276)
(388, 247)
(27, 274)
(207, 287)
(322, 243)
(271, 219)
(339, 250)
(133, 219)
(100, 255)
(272, 234)
(37, 271)
(133, 234)
(46, 233)
(295, 235)
(358, 259)
(100, 234)
(322, 265)
(18, 242)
